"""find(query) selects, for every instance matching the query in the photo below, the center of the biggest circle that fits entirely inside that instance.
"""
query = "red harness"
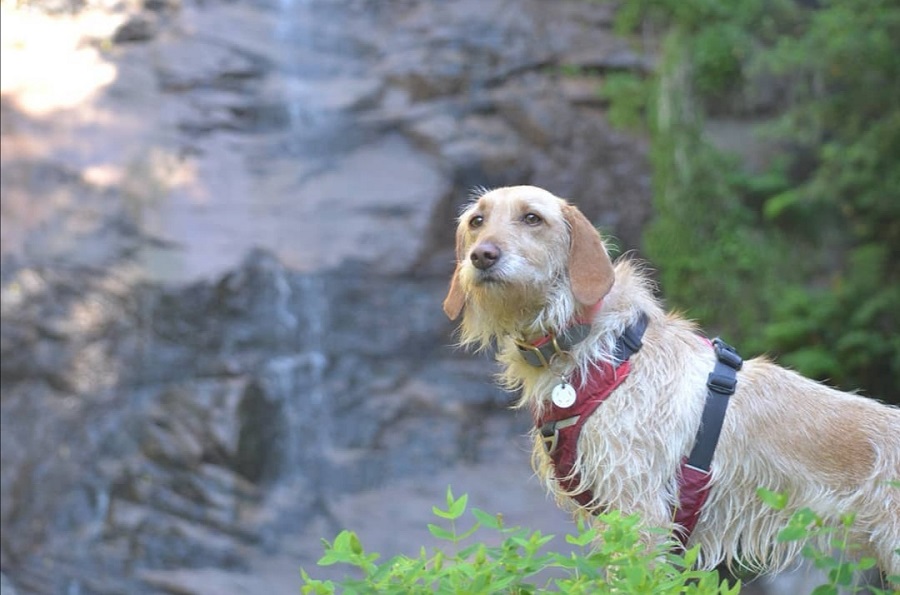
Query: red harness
(561, 439)
(561, 428)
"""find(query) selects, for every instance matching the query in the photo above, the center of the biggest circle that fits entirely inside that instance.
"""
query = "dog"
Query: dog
(530, 266)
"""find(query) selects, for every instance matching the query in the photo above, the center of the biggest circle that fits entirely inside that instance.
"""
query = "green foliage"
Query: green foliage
(843, 571)
(622, 564)
(611, 559)
(798, 256)
(628, 94)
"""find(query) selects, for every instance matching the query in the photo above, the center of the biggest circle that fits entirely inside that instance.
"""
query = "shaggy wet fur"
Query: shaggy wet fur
(830, 451)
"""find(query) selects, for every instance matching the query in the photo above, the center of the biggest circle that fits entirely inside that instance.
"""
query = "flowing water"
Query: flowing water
(223, 269)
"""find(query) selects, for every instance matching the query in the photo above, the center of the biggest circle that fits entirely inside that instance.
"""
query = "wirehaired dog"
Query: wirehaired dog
(533, 275)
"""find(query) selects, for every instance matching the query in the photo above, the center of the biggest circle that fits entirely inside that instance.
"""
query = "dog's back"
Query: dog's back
(833, 452)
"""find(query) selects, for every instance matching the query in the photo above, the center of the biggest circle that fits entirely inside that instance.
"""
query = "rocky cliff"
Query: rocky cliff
(227, 230)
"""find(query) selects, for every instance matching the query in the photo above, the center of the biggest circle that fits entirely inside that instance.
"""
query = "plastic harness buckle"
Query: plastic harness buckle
(550, 431)
(727, 354)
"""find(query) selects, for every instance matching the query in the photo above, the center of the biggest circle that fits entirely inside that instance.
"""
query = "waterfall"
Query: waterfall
(307, 409)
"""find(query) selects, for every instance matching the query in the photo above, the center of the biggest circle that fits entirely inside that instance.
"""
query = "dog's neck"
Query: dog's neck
(510, 320)
(530, 315)
(542, 352)
(584, 316)
(523, 315)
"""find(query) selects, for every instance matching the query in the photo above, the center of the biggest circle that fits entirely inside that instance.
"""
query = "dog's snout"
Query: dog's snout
(485, 255)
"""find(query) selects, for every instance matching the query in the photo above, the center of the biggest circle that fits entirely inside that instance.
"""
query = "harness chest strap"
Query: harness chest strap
(693, 482)
(561, 435)
(560, 428)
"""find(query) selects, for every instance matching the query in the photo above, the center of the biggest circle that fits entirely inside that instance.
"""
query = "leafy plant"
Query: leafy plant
(843, 571)
(629, 95)
(622, 563)
(608, 557)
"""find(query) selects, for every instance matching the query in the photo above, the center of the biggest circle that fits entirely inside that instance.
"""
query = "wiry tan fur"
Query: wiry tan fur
(830, 451)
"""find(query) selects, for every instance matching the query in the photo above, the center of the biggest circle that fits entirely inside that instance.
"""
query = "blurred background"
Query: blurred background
(227, 229)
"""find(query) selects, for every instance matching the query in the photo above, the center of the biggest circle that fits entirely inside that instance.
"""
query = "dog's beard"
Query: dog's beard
(501, 307)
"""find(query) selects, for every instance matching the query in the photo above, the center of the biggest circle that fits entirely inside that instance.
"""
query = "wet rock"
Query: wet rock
(211, 65)
(136, 28)
(264, 413)
(617, 57)
(167, 440)
(162, 5)
(539, 121)
(328, 384)
(583, 90)
(434, 131)
(6, 587)
(176, 421)
(365, 205)
(429, 80)
(59, 7)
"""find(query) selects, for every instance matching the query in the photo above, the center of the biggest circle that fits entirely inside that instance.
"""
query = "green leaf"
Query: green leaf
(579, 540)
(842, 574)
(775, 500)
(355, 544)
(440, 532)
(455, 506)
(780, 203)
(342, 541)
(691, 556)
(329, 559)
(492, 521)
(468, 533)
(793, 533)
(444, 514)
(848, 519)
(825, 590)
(458, 506)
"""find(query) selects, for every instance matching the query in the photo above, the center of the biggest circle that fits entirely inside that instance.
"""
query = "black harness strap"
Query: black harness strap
(629, 342)
(720, 386)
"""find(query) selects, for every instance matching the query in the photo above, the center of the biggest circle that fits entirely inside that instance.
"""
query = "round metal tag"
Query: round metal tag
(563, 395)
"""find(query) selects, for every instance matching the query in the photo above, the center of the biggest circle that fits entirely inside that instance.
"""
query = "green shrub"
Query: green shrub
(617, 562)
(844, 568)
(799, 255)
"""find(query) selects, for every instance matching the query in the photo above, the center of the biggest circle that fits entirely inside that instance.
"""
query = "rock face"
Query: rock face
(223, 272)
(232, 412)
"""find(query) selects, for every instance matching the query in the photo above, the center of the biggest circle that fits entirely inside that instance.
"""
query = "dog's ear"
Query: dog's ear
(590, 269)
(456, 298)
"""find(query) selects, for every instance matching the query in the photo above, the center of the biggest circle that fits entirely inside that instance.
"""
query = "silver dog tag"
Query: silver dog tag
(563, 395)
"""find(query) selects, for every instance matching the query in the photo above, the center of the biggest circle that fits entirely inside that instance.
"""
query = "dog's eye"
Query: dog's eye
(476, 221)
(532, 219)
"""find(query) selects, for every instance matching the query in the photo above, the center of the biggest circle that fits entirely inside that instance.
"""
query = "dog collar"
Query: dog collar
(541, 352)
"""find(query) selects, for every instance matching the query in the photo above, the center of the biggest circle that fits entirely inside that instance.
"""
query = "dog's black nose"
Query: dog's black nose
(485, 255)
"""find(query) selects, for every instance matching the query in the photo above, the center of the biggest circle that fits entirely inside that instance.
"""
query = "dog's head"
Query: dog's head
(518, 248)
